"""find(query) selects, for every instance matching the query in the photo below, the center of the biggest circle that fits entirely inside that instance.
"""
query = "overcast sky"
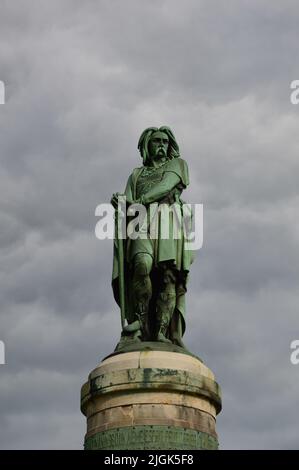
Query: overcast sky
(83, 79)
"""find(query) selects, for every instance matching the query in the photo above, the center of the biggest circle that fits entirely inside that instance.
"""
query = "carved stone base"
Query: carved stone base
(151, 400)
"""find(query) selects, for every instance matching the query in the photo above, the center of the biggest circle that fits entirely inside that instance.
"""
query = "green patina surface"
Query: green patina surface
(151, 438)
(151, 268)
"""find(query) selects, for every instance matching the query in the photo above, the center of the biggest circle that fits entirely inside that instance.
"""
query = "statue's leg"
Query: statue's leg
(142, 289)
(176, 326)
(165, 304)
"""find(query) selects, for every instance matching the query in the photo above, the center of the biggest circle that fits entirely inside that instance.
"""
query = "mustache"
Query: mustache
(161, 149)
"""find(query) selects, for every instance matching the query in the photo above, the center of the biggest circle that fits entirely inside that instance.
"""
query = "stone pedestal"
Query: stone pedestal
(151, 400)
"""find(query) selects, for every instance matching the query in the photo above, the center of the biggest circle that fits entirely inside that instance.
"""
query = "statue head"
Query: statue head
(157, 143)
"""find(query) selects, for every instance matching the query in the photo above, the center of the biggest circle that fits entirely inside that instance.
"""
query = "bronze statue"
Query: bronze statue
(150, 274)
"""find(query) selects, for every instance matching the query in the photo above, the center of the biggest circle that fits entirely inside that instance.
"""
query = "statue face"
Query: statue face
(158, 145)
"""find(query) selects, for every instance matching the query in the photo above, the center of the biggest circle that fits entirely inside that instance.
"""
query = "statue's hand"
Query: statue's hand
(114, 199)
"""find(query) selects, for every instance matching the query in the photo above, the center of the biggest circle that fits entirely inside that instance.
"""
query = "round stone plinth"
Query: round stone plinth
(151, 400)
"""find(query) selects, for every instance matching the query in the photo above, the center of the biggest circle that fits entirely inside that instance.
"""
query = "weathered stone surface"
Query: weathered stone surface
(151, 392)
(152, 359)
(152, 414)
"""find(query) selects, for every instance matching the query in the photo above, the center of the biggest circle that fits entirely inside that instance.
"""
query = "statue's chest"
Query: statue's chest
(147, 180)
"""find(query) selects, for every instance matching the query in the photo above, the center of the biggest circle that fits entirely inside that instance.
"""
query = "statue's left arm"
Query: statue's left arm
(176, 174)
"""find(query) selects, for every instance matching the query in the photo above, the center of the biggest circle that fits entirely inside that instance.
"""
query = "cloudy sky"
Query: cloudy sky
(83, 79)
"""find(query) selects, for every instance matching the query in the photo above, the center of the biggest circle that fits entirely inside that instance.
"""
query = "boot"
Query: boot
(143, 325)
(132, 331)
(163, 322)
(141, 315)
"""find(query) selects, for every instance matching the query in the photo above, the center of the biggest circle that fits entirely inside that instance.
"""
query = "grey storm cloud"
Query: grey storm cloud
(83, 79)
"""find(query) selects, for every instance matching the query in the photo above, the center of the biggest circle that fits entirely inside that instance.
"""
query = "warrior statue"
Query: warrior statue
(150, 273)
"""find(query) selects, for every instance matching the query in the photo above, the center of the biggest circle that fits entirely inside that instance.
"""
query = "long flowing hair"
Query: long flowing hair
(173, 148)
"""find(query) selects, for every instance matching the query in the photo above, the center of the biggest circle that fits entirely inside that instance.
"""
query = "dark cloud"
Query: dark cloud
(83, 79)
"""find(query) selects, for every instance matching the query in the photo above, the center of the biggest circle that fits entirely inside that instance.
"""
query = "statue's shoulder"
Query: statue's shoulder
(136, 172)
(177, 164)
(180, 167)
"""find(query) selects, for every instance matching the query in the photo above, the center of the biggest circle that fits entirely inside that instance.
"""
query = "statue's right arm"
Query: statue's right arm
(128, 194)
(128, 191)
